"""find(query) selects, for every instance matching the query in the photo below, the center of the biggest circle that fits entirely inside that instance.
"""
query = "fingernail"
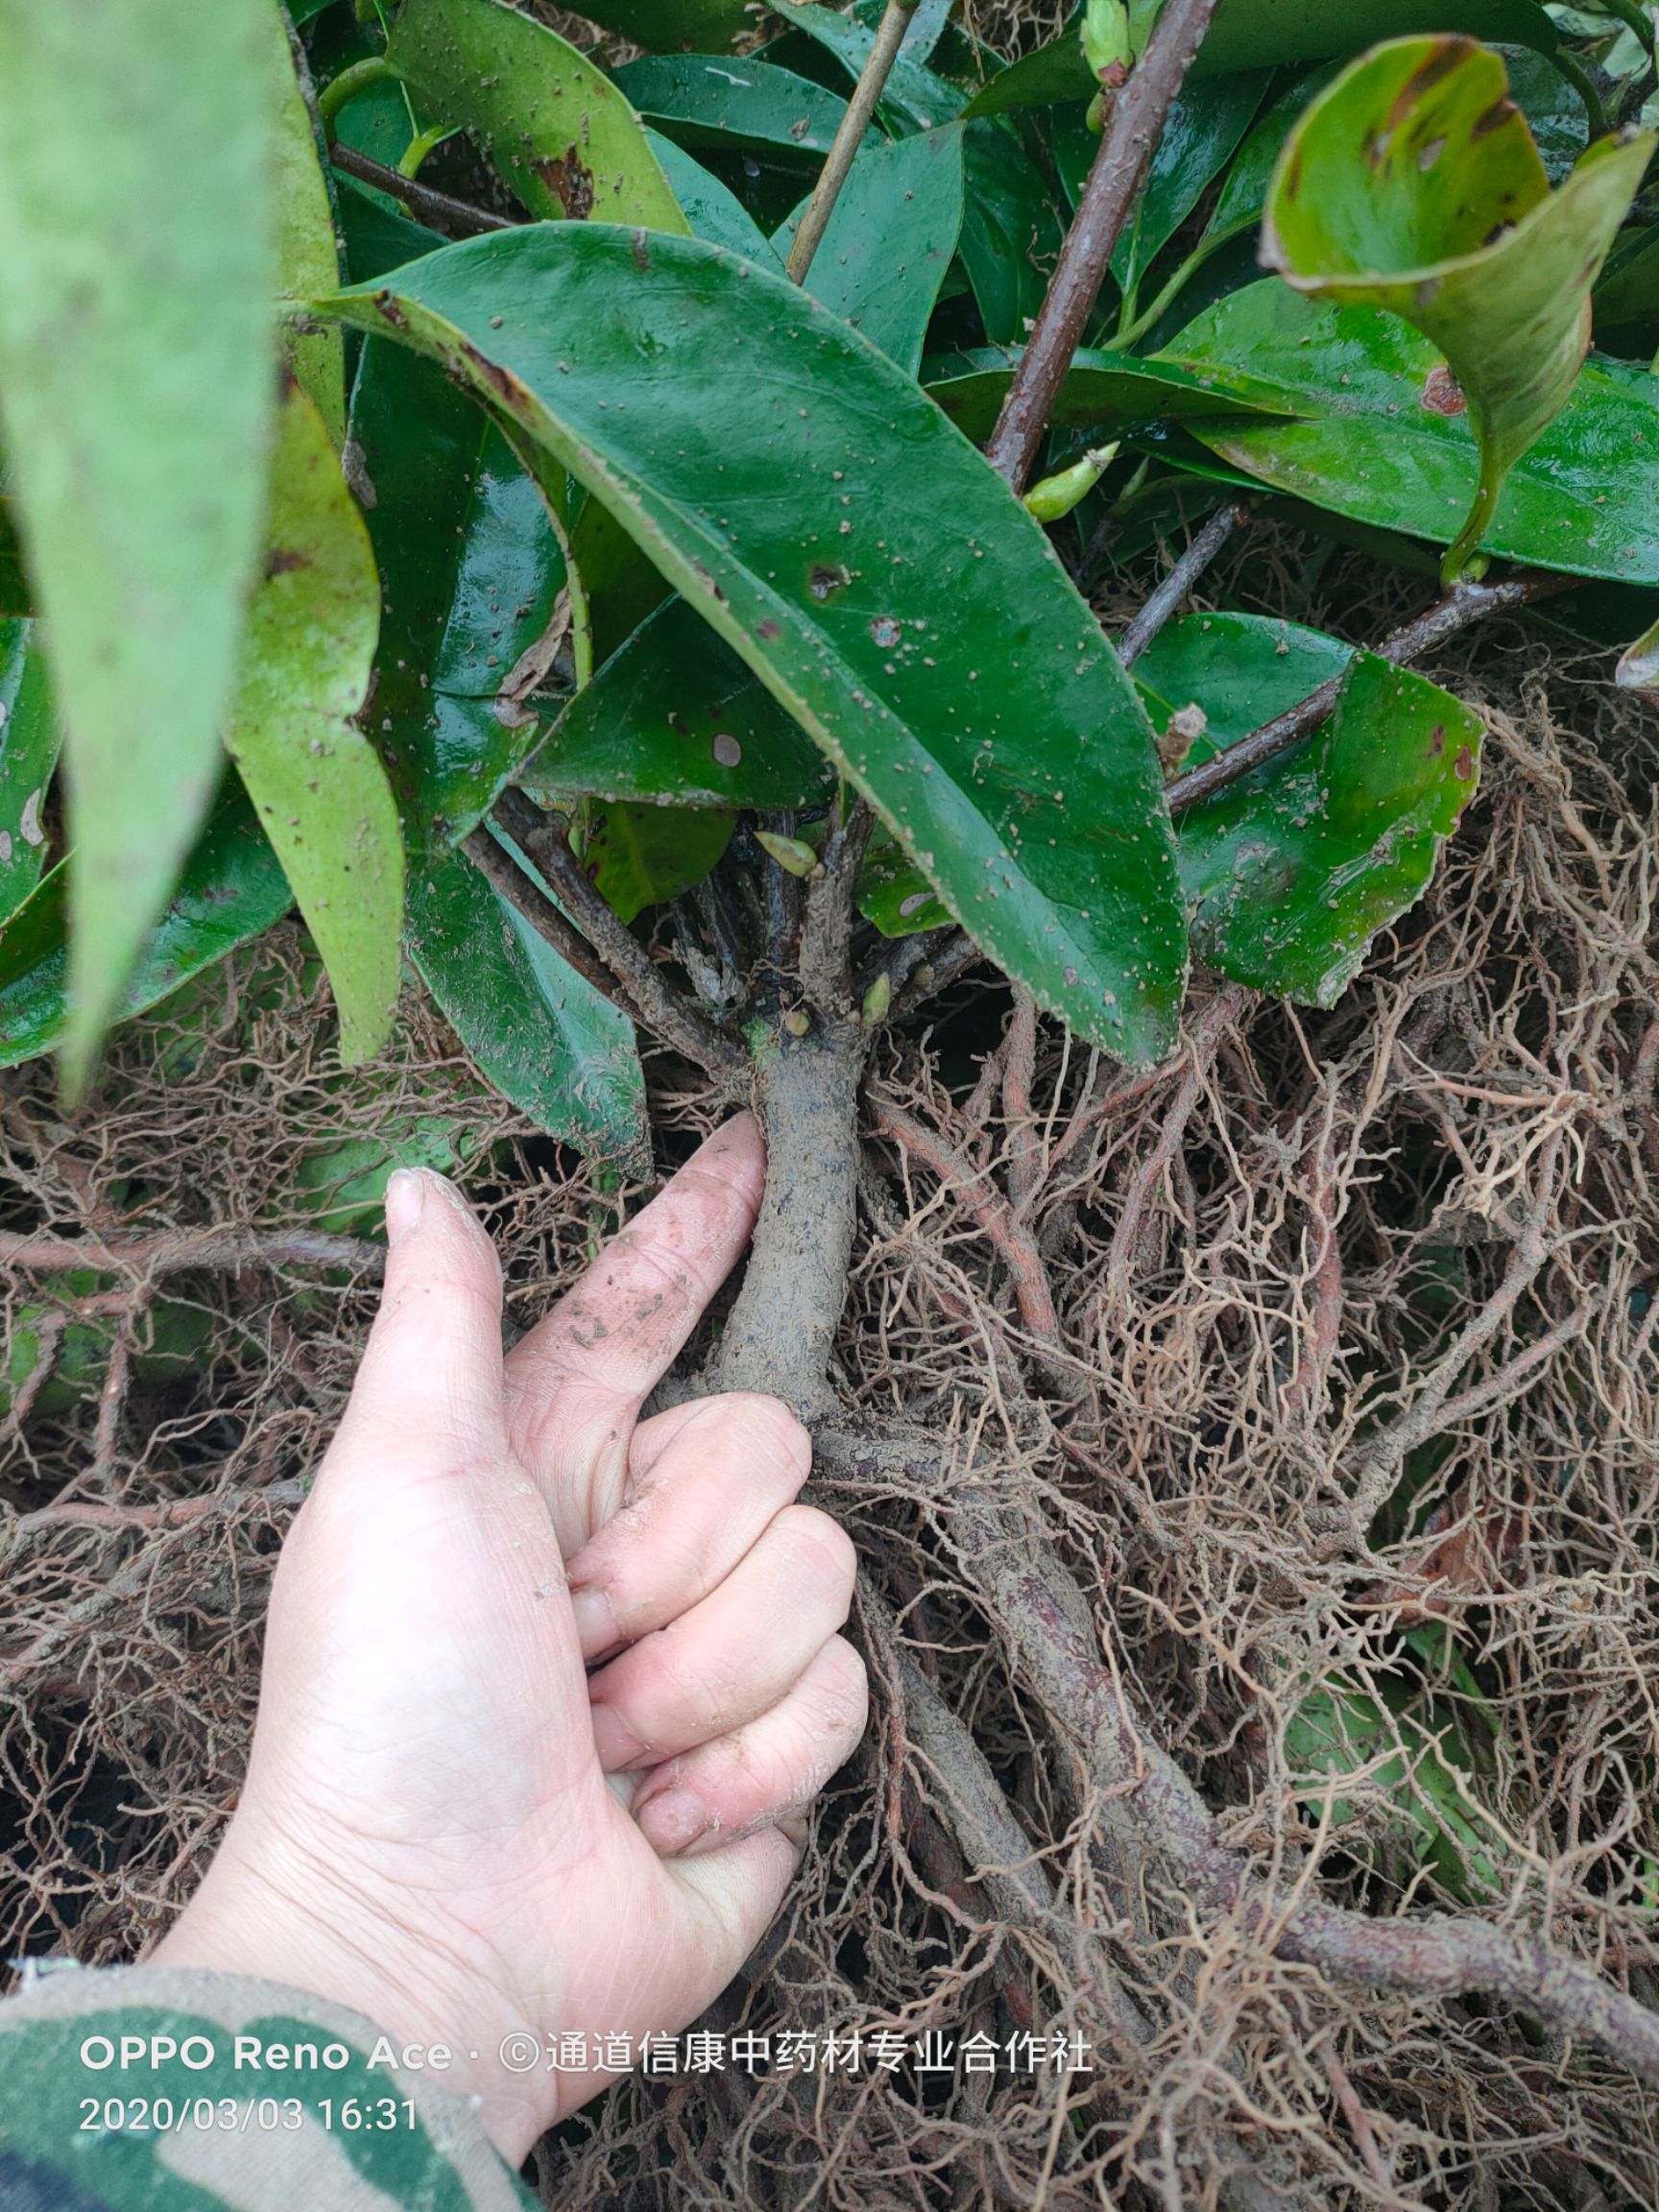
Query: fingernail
(405, 1196)
(595, 1622)
(674, 1822)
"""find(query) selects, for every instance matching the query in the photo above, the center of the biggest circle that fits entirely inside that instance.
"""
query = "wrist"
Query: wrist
(322, 1937)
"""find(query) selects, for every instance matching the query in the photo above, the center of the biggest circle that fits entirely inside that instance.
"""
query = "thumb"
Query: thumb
(429, 1387)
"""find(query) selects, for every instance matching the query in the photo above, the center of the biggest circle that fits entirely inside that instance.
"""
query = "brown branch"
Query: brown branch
(831, 901)
(1173, 594)
(173, 1250)
(503, 874)
(953, 954)
(420, 198)
(1468, 604)
(1052, 1638)
(849, 137)
(652, 999)
(1134, 125)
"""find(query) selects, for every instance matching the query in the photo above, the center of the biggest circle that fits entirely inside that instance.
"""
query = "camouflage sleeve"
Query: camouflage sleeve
(154, 2089)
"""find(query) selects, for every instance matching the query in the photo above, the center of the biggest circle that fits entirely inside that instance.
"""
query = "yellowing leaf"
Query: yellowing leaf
(136, 386)
(560, 133)
(308, 260)
(318, 784)
(1413, 184)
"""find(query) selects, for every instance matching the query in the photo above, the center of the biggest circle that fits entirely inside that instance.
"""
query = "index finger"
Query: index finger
(576, 1382)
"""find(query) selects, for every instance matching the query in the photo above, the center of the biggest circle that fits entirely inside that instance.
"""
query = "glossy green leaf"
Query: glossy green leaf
(1413, 183)
(1625, 302)
(668, 26)
(1011, 231)
(792, 484)
(1373, 438)
(28, 755)
(712, 209)
(539, 1031)
(893, 892)
(643, 856)
(674, 714)
(1206, 125)
(318, 784)
(1104, 391)
(890, 240)
(1241, 669)
(927, 33)
(469, 568)
(1553, 107)
(1428, 1806)
(1267, 34)
(1292, 871)
(914, 96)
(16, 597)
(378, 238)
(740, 105)
(307, 259)
(557, 130)
(1263, 34)
(136, 390)
(1243, 193)
(232, 889)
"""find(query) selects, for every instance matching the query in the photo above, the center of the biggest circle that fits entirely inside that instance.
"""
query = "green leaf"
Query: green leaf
(1373, 440)
(343, 1186)
(14, 594)
(1206, 125)
(557, 130)
(914, 96)
(1261, 34)
(539, 1031)
(1339, 1732)
(1413, 184)
(791, 483)
(378, 237)
(1011, 231)
(890, 240)
(1266, 34)
(664, 26)
(471, 569)
(1625, 302)
(232, 889)
(739, 105)
(893, 892)
(1290, 872)
(1244, 193)
(28, 755)
(306, 656)
(307, 259)
(1103, 391)
(674, 714)
(712, 211)
(135, 388)
(642, 856)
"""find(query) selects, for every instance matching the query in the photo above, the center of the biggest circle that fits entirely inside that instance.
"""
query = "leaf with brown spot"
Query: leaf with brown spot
(1413, 184)
(558, 132)
(317, 782)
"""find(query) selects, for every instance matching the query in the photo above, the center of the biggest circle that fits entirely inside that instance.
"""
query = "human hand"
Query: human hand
(446, 1823)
